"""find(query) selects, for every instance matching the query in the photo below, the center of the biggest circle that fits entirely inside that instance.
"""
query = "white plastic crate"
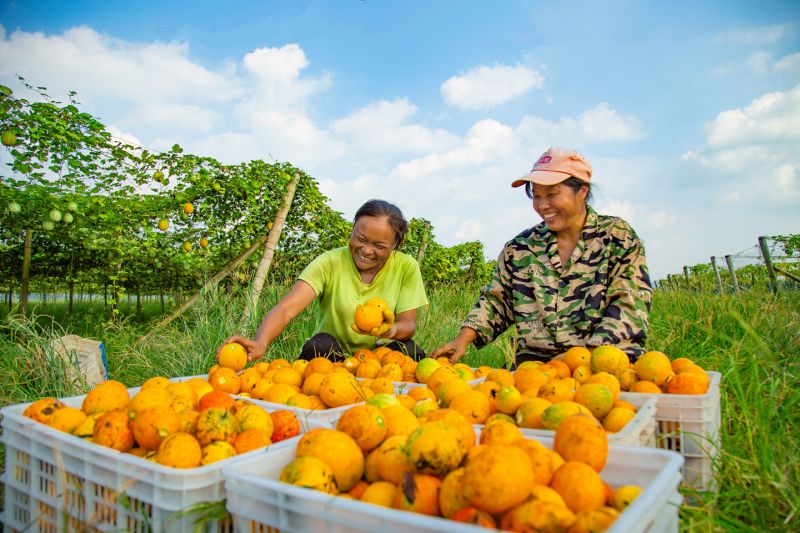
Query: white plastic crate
(54, 481)
(259, 502)
(639, 431)
(689, 424)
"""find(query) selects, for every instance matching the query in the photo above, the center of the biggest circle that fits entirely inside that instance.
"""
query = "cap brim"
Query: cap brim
(542, 177)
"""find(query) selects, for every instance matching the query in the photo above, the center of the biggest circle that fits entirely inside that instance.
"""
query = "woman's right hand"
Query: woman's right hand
(255, 350)
(453, 350)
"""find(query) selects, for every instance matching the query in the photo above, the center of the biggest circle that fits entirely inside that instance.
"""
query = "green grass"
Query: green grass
(753, 339)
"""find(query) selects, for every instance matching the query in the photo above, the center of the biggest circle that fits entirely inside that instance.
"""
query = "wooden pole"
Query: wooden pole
(26, 272)
(729, 260)
(785, 273)
(269, 248)
(716, 273)
(762, 243)
(686, 275)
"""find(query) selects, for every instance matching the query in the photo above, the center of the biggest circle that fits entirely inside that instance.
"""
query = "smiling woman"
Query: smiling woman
(370, 266)
(575, 279)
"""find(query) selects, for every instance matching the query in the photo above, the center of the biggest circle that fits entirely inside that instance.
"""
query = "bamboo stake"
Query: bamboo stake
(269, 248)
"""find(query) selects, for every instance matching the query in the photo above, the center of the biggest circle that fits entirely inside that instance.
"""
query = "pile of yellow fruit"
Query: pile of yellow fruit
(177, 424)
(652, 373)
(433, 466)
(325, 384)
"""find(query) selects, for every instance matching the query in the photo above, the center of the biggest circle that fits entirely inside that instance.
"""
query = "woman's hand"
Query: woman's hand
(453, 350)
(255, 350)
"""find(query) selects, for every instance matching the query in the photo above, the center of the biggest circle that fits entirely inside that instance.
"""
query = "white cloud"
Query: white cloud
(102, 67)
(757, 35)
(789, 64)
(773, 117)
(488, 87)
(382, 128)
(598, 124)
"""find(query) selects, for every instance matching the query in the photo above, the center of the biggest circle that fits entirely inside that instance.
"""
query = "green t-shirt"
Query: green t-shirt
(339, 288)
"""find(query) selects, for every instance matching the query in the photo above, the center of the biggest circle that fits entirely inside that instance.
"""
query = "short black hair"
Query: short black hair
(382, 208)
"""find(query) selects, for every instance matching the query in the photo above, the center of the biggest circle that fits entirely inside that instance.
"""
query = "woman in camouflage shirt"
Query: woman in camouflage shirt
(575, 279)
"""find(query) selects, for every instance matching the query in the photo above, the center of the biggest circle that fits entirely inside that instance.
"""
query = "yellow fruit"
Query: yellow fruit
(529, 414)
(473, 405)
(553, 415)
(577, 356)
(310, 472)
(379, 493)
(653, 366)
(399, 420)
(579, 485)
(153, 424)
(147, 398)
(218, 450)
(608, 359)
(582, 438)
(66, 419)
(336, 449)
(500, 432)
(539, 515)
(435, 448)
(365, 424)
(106, 396)
(233, 355)
(215, 424)
(451, 493)
(390, 460)
(338, 389)
(179, 450)
(498, 478)
(545, 461)
(596, 397)
(157, 382)
(418, 493)
(595, 519)
(609, 380)
(623, 496)
(42, 409)
(617, 418)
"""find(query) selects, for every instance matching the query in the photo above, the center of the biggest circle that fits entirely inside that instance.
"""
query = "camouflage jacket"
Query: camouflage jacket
(601, 296)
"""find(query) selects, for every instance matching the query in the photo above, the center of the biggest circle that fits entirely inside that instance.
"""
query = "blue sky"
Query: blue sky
(689, 112)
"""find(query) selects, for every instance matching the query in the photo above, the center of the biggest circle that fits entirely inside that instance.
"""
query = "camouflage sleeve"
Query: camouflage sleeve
(493, 314)
(628, 297)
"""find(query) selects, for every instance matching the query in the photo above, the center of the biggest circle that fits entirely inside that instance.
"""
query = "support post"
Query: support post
(762, 243)
(716, 273)
(729, 260)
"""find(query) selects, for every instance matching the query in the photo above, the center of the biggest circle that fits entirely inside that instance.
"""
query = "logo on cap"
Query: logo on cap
(544, 160)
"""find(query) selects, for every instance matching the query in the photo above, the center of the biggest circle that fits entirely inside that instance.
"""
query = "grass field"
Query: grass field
(753, 339)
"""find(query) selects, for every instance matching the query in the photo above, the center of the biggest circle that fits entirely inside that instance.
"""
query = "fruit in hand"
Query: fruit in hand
(373, 317)
(233, 355)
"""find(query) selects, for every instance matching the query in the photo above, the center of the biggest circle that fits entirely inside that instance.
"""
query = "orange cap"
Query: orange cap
(556, 165)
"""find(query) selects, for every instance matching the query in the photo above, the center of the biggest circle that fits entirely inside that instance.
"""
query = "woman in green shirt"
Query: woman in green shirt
(371, 265)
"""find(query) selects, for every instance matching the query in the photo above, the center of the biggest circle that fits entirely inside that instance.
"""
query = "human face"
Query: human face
(561, 208)
(371, 243)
